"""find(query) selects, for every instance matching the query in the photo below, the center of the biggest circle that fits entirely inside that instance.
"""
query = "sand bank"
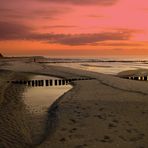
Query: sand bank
(108, 112)
(14, 129)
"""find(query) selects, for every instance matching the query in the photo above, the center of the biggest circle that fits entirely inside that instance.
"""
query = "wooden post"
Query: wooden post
(51, 82)
(47, 82)
(42, 82)
(16, 82)
(63, 82)
(36, 82)
(60, 82)
(55, 82)
(25, 82)
(70, 80)
(29, 83)
(136, 78)
(13, 82)
(66, 81)
(21, 82)
(32, 83)
(145, 78)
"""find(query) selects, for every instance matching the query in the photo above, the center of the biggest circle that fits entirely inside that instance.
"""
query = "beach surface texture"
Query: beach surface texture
(105, 112)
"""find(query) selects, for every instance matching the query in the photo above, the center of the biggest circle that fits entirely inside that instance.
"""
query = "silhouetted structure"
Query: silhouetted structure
(138, 78)
(55, 82)
(41, 83)
(1, 56)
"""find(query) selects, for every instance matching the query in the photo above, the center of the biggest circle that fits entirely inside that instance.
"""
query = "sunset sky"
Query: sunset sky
(74, 27)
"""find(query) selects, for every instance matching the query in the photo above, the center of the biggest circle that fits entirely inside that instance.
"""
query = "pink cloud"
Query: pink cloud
(82, 2)
(14, 31)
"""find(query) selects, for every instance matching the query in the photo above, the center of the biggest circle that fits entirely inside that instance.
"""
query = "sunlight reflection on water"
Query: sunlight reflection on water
(39, 99)
(105, 67)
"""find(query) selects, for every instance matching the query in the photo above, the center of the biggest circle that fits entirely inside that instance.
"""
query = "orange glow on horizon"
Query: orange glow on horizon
(116, 28)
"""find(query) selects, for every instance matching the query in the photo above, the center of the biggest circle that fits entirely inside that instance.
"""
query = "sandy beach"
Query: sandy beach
(107, 112)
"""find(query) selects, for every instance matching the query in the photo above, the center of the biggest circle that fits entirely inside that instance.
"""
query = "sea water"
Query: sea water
(104, 65)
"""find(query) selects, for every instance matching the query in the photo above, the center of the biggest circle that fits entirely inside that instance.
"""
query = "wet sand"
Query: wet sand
(14, 127)
(108, 112)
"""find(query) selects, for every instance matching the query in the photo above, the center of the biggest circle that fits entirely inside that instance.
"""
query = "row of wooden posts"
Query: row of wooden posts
(140, 78)
(51, 82)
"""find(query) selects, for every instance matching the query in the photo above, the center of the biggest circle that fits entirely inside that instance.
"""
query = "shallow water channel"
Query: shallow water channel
(39, 99)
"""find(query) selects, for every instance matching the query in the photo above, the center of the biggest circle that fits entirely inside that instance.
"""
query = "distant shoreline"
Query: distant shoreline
(41, 59)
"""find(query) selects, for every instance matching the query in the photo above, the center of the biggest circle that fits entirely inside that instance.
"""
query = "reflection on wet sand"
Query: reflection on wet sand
(39, 99)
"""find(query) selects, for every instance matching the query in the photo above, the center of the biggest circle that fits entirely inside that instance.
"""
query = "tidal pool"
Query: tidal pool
(39, 99)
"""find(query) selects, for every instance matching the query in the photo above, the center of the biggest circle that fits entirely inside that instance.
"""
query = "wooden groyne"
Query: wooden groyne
(50, 82)
(138, 78)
